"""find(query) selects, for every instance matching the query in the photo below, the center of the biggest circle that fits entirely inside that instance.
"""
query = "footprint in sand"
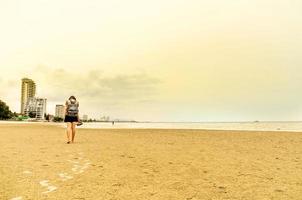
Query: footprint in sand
(65, 176)
(74, 162)
(81, 169)
(77, 168)
(78, 165)
(17, 198)
(50, 188)
(27, 172)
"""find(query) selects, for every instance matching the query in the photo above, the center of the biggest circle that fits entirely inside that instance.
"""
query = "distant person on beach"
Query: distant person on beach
(71, 117)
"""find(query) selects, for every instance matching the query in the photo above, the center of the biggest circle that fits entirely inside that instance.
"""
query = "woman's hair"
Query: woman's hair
(72, 97)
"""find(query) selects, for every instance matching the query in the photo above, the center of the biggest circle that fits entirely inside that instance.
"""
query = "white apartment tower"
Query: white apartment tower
(36, 107)
(28, 90)
(60, 111)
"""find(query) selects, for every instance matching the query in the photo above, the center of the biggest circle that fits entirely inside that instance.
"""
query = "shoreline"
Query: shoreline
(224, 126)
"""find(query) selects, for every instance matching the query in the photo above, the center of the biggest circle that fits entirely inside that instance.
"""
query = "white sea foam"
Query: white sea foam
(293, 126)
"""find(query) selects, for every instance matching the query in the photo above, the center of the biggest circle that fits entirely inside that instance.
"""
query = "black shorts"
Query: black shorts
(70, 119)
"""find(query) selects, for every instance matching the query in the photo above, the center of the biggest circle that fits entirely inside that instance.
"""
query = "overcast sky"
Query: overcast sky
(171, 60)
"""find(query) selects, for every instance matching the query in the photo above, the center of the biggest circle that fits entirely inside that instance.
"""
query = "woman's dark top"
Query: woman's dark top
(71, 111)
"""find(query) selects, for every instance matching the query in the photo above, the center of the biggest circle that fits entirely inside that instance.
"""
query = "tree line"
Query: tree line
(5, 112)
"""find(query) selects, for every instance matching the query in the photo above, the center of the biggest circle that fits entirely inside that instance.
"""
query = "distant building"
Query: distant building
(28, 90)
(105, 119)
(85, 117)
(60, 111)
(35, 108)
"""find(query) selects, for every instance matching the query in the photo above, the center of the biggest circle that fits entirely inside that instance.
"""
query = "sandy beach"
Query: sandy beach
(130, 164)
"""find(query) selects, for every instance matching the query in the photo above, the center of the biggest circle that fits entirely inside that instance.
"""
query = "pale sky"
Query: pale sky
(159, 60)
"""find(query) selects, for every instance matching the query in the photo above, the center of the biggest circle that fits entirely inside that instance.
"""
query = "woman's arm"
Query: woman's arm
(65, 109)
(78, 112)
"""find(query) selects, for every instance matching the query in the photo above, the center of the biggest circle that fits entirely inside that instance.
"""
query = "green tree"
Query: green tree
(47, 117)
(5, 113)
(58, 119)
(32, 114)
(15, 114)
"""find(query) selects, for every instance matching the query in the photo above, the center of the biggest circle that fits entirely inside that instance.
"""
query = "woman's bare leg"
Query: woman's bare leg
(69, 131)
(73, 130)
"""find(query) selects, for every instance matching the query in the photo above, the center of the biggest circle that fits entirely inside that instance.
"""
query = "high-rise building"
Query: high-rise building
(35, 108)
(60, 111)
(28, 90)
(105, 119)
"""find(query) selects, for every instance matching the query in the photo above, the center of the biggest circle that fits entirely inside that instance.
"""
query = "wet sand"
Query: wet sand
(125, 164)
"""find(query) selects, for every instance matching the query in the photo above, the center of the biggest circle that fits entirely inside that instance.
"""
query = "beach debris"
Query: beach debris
(50, 188)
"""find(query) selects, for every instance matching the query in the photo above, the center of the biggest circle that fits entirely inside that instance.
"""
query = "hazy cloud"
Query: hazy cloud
(95, 86)
(97, 91)
(203, 60)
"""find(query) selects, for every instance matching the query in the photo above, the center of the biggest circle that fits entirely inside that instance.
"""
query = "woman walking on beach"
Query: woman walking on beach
(71, 117)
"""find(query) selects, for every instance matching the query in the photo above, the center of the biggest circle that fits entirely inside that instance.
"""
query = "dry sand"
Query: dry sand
(35, 163)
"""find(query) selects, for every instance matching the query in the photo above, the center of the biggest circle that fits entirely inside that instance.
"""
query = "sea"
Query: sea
(245, 126)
